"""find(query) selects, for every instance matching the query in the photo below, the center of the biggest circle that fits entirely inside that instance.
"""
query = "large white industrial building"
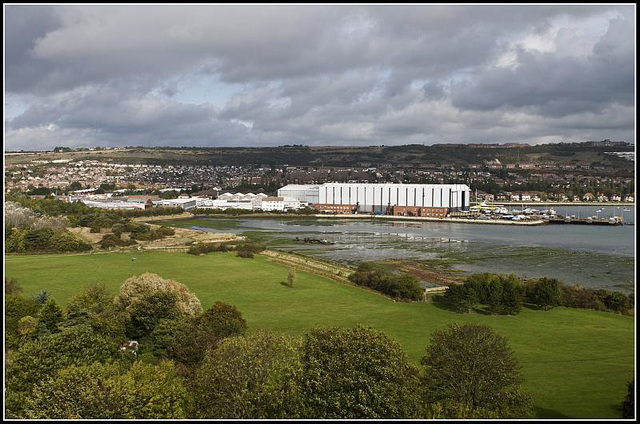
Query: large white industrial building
(368, 197)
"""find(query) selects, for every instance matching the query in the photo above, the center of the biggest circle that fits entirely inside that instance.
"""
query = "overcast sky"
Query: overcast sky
(317, 75)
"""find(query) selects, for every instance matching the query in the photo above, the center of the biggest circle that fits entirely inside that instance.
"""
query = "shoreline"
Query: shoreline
(558, 203)
(430, 219)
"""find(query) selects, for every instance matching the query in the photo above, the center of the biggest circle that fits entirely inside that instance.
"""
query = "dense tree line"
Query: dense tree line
(507, 294)
(27, 232)
(70, 362)
(81, 215)
(385, 280)
(39, 225)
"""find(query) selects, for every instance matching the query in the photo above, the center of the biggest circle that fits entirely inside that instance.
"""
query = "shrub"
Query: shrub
(201, 248)
(222, 247)
(68, 242)
(382, 279)
(244, 254)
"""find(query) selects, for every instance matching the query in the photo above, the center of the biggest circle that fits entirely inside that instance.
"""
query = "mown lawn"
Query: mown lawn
(575, 362)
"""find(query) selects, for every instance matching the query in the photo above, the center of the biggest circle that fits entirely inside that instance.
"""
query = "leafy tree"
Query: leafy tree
(49, 317)
(628, 409)
(145, 315)
(357, 373)
(460, 298)
(545, 293)
(472, 368)
(165, 334)
(109, 391)
(494, 296)
(512, 295)
(205, 332)
(291, 277)
(36, 360)
(223, 320)
(17, 307)
(252, 377)
(27, 327)
(135, 289)
(94, 305)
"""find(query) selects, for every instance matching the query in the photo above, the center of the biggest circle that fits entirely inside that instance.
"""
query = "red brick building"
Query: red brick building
(341, 209)
(433, 212)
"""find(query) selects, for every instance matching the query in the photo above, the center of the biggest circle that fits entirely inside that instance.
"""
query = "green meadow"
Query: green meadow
(576, 363)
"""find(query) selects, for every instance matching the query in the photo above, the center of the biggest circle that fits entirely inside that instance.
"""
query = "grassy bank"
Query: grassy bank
(575, 362)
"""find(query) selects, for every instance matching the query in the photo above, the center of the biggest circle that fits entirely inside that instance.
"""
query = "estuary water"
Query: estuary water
(598, 256)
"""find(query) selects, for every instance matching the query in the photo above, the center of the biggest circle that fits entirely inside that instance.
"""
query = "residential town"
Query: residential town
(490, 181)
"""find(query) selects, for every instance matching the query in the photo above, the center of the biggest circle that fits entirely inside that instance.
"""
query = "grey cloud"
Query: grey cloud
(550, 85)
(314, 74)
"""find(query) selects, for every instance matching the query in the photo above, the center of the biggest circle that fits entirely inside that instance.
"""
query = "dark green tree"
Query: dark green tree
(109, 390)
(545, 293)
(15, 308)
(357, 373)
(473, 368)
(512, 295)
(49, 317)
(191, 342)
(144, 315)
(41, 358)
(460, 297)
(253, 377)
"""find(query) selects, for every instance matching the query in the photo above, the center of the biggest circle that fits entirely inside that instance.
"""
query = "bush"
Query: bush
(244, 254)
(164, 231)
(382, 279)
(201, 248)
(252, 247)
(68, 242)
(110, 241)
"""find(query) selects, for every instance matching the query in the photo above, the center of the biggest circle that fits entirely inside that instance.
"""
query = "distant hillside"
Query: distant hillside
(417, 156)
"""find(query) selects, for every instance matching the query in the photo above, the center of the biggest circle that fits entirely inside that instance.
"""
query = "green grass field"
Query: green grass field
(575, 362)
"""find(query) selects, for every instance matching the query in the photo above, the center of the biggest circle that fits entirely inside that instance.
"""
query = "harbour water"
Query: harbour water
(593, 256)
